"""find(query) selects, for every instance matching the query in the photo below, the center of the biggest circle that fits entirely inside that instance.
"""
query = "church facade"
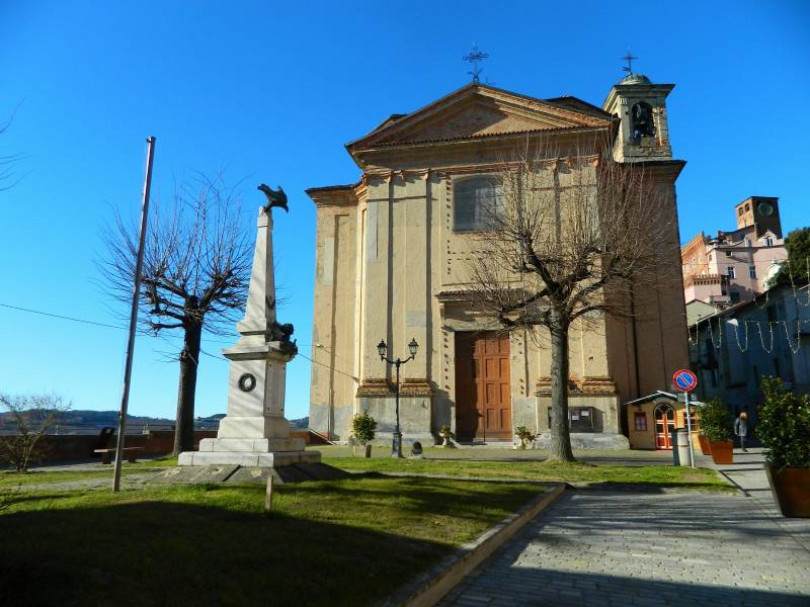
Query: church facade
(392, 258)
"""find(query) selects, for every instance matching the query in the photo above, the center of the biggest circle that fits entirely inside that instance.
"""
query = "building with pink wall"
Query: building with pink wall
(735, 266)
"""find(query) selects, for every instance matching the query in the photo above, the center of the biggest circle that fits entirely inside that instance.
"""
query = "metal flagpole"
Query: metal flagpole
(133, 319)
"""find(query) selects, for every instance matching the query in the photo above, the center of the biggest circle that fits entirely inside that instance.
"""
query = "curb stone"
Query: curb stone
(731, 482)
(431, 586)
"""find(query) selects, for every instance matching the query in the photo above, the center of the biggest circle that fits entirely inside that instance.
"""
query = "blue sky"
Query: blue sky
(270, 92)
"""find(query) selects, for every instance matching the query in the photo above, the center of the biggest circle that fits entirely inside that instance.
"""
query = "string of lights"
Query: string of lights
(766, 331)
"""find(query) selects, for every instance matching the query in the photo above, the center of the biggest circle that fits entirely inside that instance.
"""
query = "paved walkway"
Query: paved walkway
(596, 547)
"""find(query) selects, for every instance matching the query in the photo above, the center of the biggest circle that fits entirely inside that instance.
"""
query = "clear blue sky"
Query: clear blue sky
(272, 91)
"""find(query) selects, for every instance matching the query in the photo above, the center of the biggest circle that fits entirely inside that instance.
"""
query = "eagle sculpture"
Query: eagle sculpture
(275, 198)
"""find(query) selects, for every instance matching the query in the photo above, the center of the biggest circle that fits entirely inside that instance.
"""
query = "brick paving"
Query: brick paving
(600, 547)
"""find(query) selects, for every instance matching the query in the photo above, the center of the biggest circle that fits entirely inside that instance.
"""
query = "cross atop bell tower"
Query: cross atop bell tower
(629, 58)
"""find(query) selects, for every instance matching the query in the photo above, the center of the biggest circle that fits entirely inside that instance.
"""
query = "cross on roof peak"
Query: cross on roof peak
(475, 57)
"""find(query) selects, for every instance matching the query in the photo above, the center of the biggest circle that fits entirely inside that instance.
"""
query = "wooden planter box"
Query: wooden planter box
(791, 490)
(722, 451)
(704, 445)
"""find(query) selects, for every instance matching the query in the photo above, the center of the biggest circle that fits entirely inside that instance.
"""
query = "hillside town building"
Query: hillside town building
(735, 266)
(391, 265)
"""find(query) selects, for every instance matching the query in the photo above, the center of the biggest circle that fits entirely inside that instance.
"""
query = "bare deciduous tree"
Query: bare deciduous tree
(29, 419)
(7, 162)
(568, 238)
(196, 271)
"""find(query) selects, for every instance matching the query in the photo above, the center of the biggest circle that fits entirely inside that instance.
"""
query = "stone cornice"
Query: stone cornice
(374, 387)
(392, 156)
(338, 195)
(596, 386)
(416, 387)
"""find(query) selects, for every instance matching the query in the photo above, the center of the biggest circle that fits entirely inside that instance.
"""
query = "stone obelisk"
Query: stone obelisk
(254, 431)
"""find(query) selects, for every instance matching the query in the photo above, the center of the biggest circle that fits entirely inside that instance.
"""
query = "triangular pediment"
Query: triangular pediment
(477, 111)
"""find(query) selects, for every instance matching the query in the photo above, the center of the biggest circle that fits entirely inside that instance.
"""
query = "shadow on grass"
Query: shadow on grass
(159, 553)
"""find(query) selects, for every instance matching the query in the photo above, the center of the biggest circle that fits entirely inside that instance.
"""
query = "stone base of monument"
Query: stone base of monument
(236, 475)
(256, 452)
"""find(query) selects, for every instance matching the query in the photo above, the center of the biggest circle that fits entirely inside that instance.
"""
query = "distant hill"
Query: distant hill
(80, 417)
(300, 423)
(86, 421)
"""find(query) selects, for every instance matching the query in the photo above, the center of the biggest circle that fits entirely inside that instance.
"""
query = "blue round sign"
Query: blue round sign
(684, 380)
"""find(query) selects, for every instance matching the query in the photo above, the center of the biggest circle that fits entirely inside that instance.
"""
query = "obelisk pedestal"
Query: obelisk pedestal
(254, 431)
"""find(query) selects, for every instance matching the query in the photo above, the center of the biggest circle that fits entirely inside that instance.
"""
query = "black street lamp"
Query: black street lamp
(382, 349)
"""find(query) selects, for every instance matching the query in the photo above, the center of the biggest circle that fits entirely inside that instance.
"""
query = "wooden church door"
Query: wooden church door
(483, 395)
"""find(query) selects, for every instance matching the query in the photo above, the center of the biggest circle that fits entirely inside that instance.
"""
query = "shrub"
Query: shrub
(363, 427)
(784, 425)
(525, 435)
(716, 421)
(445, 431)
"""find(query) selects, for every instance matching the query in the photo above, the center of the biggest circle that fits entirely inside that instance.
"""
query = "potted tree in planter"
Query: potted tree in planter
(363, 427)
(718, 427)
(704, 443)
(446, 435)
(784, 430)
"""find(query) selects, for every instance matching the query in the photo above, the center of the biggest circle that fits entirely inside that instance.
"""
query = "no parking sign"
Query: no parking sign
(684, 380)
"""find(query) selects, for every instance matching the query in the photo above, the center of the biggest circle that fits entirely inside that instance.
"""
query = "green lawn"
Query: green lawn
(43, 477)
(348, 542)
(650, 476)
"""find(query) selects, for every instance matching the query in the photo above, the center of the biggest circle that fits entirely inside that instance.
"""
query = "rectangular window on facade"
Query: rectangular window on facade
(728, 253)
(640, 419)
(475, 199)
(769, 242)
(731, 273)
(752, 271)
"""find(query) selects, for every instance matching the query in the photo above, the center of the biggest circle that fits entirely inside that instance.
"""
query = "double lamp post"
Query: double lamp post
(382, 349)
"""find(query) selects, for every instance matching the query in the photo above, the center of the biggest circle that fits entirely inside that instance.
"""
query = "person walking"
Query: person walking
(741, 428)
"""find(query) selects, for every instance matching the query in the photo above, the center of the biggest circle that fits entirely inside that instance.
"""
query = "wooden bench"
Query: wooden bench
(129, 453)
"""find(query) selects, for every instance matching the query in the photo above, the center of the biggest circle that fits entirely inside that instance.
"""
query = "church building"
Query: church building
(392, 249)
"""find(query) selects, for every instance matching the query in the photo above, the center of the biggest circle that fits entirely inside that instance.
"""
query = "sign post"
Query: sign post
(685, 381)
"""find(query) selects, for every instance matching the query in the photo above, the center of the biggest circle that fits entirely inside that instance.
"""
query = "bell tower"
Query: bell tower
(641, 107)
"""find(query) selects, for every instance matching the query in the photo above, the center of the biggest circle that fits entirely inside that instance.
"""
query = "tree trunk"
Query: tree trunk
(189, 361)
(560, 436)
